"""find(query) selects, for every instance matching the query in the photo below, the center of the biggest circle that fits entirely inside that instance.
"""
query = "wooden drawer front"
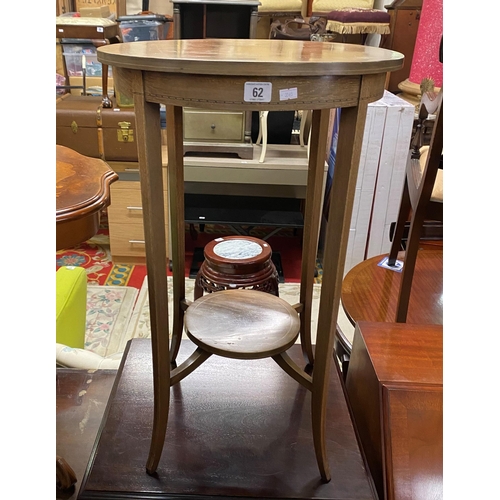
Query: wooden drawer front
(128, 240)
(213, 125)
(126, 206)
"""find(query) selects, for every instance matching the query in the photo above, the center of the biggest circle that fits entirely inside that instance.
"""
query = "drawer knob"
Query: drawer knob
(212, 126)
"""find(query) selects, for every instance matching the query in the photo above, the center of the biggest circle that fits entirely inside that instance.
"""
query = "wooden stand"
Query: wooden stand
(317, 76)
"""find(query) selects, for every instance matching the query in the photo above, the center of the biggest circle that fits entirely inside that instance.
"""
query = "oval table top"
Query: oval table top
(245, 57)
(370, 292)
(82, 184)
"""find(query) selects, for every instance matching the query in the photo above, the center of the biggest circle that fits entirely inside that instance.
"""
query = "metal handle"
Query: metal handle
(140, 242)
(134, 208)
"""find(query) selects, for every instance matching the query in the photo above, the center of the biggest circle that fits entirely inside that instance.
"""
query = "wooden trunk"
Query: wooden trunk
(84, 125)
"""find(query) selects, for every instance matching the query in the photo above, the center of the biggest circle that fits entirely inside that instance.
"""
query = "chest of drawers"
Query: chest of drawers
(126, 229)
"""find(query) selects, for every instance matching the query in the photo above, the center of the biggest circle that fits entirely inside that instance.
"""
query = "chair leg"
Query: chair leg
(404, 212)
(259, 136)
(263, 134)
(409, 266)
(305, 114)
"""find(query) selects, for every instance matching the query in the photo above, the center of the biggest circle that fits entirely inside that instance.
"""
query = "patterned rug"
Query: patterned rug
(95, 256)
(109, 310)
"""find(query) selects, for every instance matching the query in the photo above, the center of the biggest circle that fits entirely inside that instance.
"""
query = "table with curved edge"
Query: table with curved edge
(82, 192)
(370, 293)
(214, 73)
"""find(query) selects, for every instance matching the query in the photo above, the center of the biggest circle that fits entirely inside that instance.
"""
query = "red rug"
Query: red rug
(95, 256)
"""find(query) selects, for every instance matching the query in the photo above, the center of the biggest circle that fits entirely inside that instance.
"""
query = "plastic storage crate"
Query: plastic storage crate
(73, 53)
(135, 30)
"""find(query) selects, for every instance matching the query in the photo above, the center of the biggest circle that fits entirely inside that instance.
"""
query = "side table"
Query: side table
(248, 75)
(82, 192)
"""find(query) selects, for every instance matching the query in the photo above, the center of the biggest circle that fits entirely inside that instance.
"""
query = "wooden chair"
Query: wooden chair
(423, 197)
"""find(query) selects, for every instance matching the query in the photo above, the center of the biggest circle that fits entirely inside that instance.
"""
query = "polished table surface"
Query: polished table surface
(253, 75)
(82, 192)
(370, 292)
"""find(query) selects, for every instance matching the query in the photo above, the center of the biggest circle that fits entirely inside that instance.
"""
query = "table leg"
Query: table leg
(312, 213)
(176, 206)
(351, 129)
(151, 172)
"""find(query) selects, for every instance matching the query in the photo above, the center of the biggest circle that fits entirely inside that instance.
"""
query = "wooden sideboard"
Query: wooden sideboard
(404, 22)
(395, 392)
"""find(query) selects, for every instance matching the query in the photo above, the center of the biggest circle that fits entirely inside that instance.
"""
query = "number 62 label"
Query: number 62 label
(258, 91)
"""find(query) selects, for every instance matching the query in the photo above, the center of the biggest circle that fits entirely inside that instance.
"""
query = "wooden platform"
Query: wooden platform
(246, 435)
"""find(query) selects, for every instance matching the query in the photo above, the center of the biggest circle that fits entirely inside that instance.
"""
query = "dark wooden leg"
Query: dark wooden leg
(403, 216)
(65, 475)
(409, 267)
(198, 289)
(418, 218)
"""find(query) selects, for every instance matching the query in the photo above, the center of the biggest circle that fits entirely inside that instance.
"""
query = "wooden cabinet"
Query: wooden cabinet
(215, 18)
(126, 229)
(208, 130)
(405, 19)
(395, 390)
(205, 125)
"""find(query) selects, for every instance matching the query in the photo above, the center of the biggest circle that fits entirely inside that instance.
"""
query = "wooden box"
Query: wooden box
(84, 125)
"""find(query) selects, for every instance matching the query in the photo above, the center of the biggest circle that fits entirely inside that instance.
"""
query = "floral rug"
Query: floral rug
(95, 256)
(109, 310)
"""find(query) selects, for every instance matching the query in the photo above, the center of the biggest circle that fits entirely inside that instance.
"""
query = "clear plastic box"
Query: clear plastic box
(143, 30)
(73, 53)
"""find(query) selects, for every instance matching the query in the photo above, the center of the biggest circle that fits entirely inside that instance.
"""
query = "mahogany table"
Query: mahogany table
(247, 75)
(82, 192)
(395, 390)
(370, 293)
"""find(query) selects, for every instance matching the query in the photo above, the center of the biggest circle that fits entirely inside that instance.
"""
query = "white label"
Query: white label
(258, 91)
(100, 29)
(286, 94)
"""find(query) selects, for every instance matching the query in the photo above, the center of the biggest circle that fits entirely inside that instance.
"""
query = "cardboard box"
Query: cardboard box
(97, 11)
(118, 7)
(391, 172)
(382, 167)
(94, 84)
